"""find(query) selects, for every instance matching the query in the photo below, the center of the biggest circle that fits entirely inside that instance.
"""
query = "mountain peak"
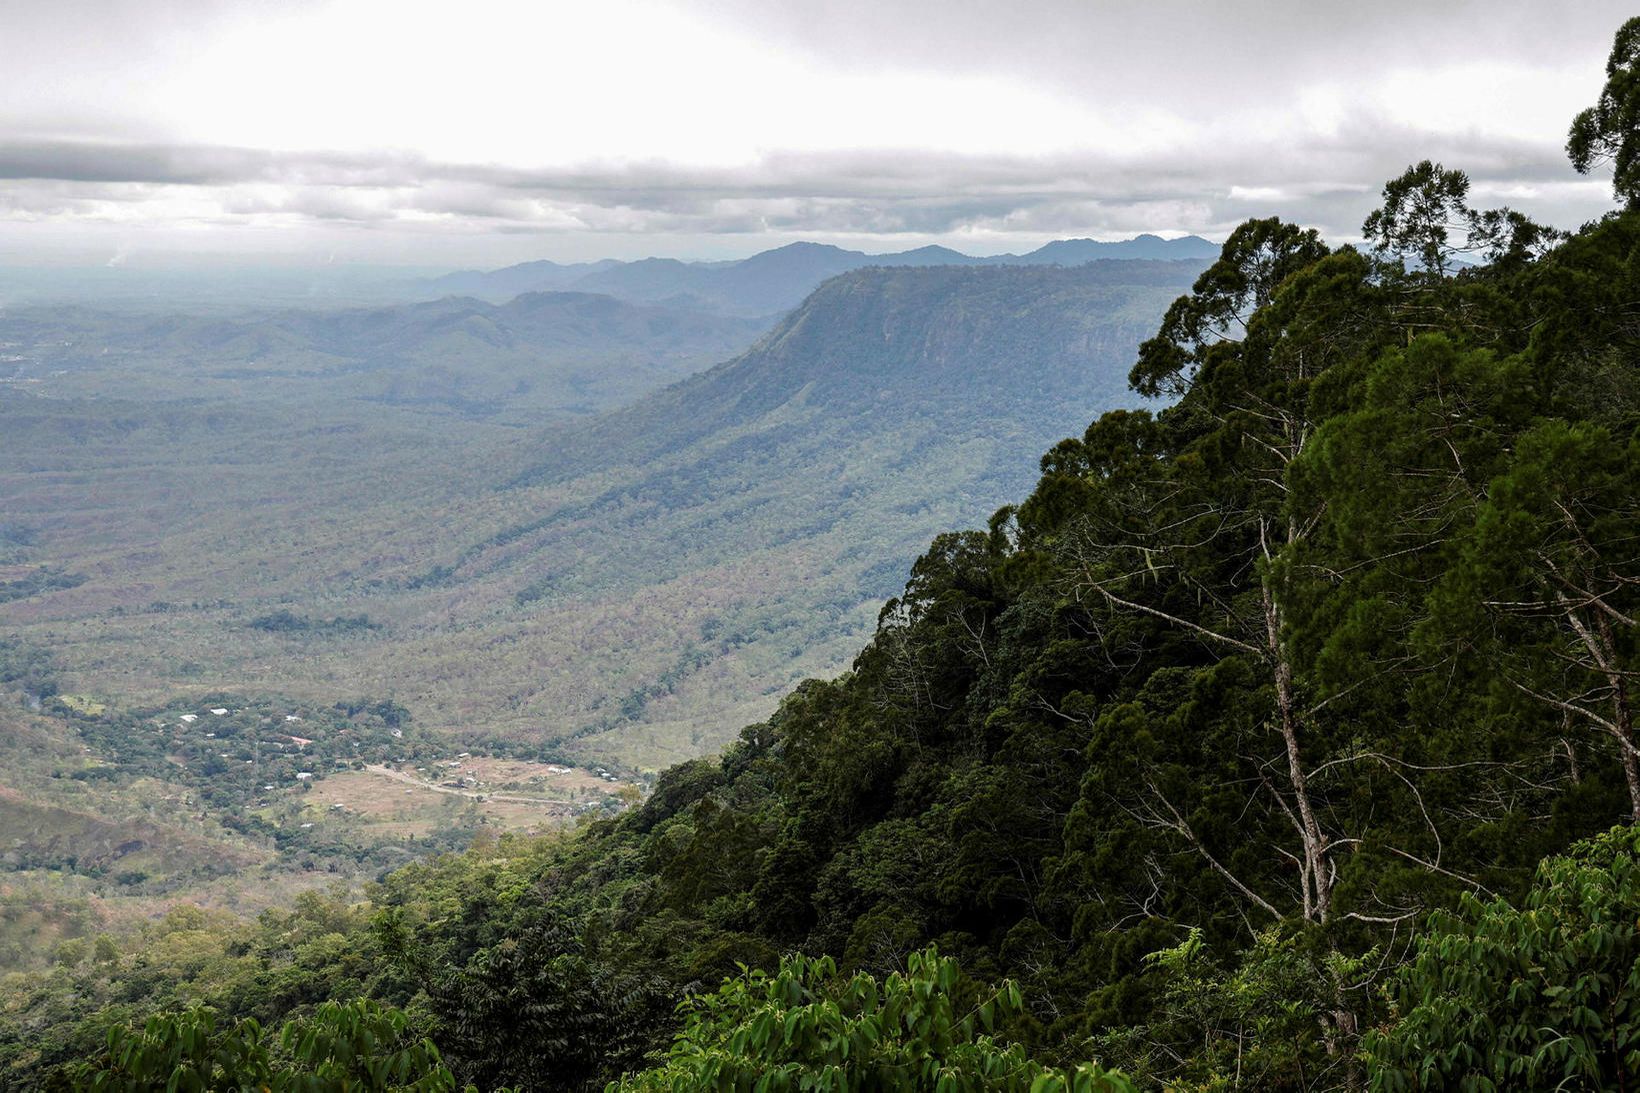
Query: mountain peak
(801, 246)
(931, 255)
(1075, 252)
(801, 251)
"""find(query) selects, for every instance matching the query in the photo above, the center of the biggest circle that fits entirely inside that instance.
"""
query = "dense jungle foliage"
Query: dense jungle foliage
(1184, 751)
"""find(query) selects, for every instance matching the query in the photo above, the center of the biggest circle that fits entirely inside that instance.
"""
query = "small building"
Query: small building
(304, 776)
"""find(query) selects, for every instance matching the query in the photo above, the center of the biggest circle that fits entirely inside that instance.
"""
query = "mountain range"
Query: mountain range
(779, 279)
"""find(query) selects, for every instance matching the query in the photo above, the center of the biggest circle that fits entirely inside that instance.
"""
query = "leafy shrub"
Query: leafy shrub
(806, 1028)
(1542, 996)
(354, 1046)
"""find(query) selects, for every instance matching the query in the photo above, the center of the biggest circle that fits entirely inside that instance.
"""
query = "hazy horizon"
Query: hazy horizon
(736, 249)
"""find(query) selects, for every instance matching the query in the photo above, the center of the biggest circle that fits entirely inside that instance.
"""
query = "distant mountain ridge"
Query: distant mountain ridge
(542, 353)
(777, 280)
(1037, 345)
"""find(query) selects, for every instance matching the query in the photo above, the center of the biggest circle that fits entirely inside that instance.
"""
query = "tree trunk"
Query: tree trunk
(1622, 712)
(1602, 647)
(1623, 718)
(1318, 884)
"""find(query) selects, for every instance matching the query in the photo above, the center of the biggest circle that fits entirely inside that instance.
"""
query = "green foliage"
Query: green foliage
(1421, 209)
(1251, 1025)
(1543, 995)
(1257, 257)
(27, 667)
(1428, 203)
(1609, 131)
(535, 1011)
(343, 1047)
(805, 1027)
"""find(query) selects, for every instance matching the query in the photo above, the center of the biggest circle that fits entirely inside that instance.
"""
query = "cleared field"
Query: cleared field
(548, 780)
(412, 802)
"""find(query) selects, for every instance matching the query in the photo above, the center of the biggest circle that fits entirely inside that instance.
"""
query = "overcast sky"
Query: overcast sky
(483, 132)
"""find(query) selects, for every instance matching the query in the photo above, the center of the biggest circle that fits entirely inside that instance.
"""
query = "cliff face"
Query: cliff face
(1006, 350)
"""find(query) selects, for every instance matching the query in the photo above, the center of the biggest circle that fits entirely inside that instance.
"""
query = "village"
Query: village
(357, 769)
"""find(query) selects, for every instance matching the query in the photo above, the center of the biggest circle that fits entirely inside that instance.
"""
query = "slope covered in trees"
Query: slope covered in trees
(1186, 747)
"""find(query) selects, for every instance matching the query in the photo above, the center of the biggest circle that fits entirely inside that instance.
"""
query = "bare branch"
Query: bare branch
(1179, 825)
(1175, 620)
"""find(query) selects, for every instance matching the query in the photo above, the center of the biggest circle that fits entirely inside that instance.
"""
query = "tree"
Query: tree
(352, 1047)
(1551, 556)
(1609, 131)
(1256, 258)
(72, 952)
(1428, 204)
(1422, 209)
(1541, 996)
(1195, 543)
(1247, 1027)
(807, 1028)
(537, 1012)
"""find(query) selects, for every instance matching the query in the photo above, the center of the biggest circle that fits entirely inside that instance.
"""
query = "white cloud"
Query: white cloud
(535, 84)
(356, 125)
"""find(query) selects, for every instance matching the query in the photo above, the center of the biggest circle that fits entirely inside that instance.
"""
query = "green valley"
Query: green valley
(627, 588)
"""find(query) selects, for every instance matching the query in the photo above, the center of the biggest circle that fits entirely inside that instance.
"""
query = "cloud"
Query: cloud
(974, 122)
(192, 165)
(1327, 179)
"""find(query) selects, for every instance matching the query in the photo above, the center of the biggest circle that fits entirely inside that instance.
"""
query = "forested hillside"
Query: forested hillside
(1274, 741)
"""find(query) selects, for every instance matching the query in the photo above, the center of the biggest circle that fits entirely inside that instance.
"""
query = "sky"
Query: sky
(484, 132)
